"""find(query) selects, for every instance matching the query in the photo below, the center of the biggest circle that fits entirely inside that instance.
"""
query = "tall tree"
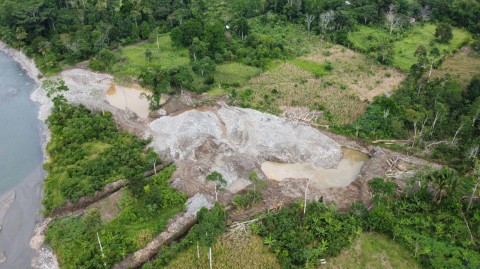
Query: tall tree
(241, 27)
(217, 179)
(214, 37)
(205, 65)
(309, 19)
(444, 31)
(325, 19)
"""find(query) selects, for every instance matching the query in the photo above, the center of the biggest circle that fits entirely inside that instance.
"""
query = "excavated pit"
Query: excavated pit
(236, 141)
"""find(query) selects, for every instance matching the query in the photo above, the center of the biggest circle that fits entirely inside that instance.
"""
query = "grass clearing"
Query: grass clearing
(294, 36)
(244, 251)
(405, 48)
(132, 60)
(373, 250)
(235, 72)
(461, 66)
(370, 250)
(341, 91)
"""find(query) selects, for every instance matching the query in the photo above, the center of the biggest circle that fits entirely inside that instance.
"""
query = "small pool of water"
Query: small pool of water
(237, 186)
(129, 98)
(346, 172)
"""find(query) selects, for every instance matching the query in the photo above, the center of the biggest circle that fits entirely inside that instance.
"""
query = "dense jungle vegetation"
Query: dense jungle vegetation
(87, 151)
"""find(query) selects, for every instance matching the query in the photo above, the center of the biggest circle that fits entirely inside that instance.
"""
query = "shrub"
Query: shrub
(209, 80)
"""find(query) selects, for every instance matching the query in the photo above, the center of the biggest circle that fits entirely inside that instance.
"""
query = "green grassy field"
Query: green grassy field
(163, 55)
(406, 47)
(132, 61)
(372, 250)
(235, 72)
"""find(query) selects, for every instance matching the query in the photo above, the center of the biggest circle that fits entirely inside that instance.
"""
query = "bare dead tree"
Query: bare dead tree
(437, 116)
(476, 186)
(393, 19)
(309, 19)
(475, 117)
(425, 13)
(472, 152)
(306, 190)
(326, 18)
(458, 130)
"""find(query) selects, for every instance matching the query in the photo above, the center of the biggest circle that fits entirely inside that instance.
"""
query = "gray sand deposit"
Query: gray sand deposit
(196, 203)
(235, 141)
(85, 87)
(5, 202)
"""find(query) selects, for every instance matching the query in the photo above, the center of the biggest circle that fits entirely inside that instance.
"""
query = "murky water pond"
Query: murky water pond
(129, 98)
(237, 186)
(345, 173)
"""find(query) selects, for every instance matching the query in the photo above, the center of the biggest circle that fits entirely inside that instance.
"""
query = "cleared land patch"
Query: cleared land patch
(232, 252)
(132, 60)
(372, 250)
(341, 91)
(367, 38)
(461, 66)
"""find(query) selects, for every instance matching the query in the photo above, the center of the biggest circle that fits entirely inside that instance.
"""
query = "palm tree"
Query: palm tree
(269, 241)
(446, 181)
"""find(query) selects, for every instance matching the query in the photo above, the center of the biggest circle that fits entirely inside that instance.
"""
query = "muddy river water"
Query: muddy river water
(345, 173)
(20, 164)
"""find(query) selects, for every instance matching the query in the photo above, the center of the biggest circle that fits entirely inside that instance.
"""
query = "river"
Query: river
(21, 161)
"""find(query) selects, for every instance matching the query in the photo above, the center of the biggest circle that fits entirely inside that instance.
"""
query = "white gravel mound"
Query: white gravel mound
(235, 141)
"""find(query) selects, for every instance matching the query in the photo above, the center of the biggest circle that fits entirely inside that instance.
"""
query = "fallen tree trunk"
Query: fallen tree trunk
(176, 227)
(392, 141)
(85, 201)
(158, 168)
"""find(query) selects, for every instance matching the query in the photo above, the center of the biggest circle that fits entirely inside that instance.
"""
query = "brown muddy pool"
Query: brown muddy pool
(129, 98)
(346, 172)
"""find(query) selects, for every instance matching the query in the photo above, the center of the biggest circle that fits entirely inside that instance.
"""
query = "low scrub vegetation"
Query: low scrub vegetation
(373, 250)
(237, 251)
(461, 66)
(337, 84)
(404, 44)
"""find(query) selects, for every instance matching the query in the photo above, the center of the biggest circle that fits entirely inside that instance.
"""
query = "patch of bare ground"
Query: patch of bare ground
(108, 207)
(342, 91)
(462, 66)
(357, 73)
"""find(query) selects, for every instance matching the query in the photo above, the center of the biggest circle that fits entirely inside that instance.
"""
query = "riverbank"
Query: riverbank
(20, 211)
